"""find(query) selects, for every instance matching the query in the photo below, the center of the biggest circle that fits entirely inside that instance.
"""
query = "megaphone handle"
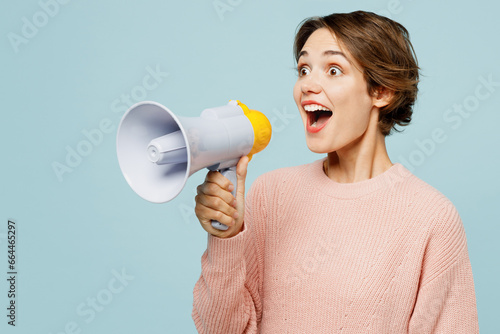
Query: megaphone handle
(230, 174)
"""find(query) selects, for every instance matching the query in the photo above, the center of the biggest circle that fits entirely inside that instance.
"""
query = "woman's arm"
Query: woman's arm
(446, 301)
(226, 298)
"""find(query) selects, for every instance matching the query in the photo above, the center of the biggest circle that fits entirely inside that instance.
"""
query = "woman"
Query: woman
(347, 244)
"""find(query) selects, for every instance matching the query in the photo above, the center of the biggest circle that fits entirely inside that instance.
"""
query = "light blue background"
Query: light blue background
(75, 231)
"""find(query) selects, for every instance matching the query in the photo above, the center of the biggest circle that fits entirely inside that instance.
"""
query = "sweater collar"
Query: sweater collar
(396, 173)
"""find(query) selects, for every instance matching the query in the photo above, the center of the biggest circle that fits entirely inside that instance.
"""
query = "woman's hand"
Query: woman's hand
(215, 201)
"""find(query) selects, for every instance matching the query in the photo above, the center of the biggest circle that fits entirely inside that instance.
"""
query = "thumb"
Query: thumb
(241, 174)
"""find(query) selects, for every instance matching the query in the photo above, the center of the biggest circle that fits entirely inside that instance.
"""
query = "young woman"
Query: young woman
(351, 243)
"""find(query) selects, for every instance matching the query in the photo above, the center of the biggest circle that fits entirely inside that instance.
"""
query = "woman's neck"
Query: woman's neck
(362, 159)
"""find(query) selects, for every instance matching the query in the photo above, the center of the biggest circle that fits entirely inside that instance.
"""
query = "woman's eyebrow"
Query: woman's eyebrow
(333, 52)
(326, 53)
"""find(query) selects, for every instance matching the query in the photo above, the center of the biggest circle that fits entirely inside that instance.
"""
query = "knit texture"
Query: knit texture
(384, 255)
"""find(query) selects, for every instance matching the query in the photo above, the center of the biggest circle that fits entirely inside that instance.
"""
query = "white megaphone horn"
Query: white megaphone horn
(158, 151)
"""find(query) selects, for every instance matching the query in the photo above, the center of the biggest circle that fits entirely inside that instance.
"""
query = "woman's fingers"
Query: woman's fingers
(206, 215)
(217, 204)
(218, 186)
(214, 201)
(241, 174)
(220, 180)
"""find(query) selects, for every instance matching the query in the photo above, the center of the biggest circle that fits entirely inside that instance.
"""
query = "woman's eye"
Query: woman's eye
(303, 71)
(334, 71)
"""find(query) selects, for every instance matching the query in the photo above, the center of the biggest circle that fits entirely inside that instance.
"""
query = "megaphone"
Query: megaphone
(157, 150)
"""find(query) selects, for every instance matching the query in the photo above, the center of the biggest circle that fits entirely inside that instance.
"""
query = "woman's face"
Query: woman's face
(331, 94)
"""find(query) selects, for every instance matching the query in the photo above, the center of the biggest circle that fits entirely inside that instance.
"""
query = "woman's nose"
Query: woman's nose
(310, 85)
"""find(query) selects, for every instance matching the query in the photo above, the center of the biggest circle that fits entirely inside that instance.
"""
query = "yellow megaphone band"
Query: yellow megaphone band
(262, 129)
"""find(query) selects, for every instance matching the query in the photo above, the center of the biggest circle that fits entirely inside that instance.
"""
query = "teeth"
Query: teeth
(315, 107)
(313, 125)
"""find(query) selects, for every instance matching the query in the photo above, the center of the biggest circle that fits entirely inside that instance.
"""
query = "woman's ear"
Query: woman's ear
(382, 97)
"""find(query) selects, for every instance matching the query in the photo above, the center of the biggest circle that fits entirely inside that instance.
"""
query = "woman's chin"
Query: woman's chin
(318, 148)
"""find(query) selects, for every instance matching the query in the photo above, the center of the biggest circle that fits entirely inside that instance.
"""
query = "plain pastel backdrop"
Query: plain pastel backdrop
(92, 256)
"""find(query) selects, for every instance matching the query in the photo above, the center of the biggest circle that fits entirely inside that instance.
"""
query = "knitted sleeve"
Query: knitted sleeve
(446, 301)
(226, 297)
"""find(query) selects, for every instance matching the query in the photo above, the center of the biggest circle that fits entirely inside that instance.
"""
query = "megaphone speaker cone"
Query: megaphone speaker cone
(151, 125)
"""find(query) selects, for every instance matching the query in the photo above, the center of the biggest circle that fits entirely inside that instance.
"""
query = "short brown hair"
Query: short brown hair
(383, 49)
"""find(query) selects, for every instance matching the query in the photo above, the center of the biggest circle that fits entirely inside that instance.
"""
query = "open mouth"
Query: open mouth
(317, 116)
